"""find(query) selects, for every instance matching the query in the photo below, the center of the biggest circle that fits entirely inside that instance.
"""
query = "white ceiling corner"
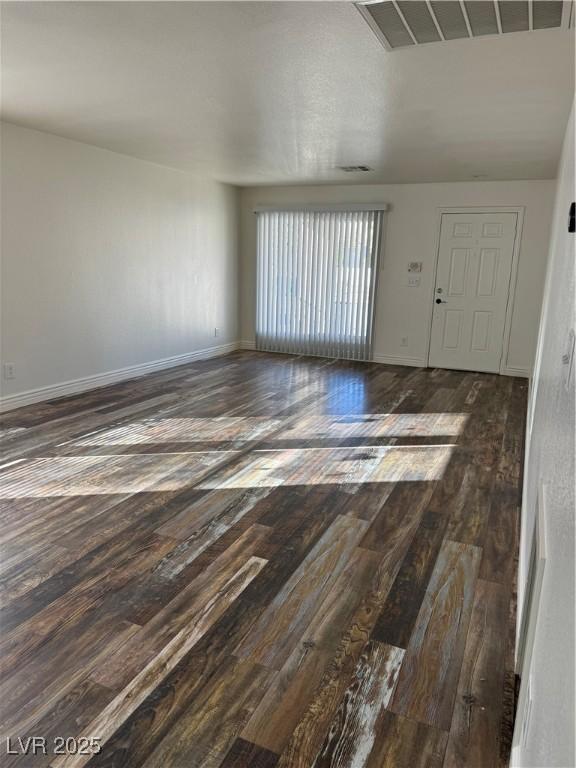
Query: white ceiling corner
(285, 92)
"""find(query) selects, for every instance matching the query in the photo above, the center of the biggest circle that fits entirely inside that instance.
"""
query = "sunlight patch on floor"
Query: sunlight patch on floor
(182, 430)
(88, 475)
(226, 429)
(378, 425)
(135, 473)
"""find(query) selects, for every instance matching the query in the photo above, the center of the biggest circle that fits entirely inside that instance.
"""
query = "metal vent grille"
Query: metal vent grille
(482, 17)
(547, 14)
(450, 18)
(387, 17)
(403, 23)
(420, 21)
(514, 15)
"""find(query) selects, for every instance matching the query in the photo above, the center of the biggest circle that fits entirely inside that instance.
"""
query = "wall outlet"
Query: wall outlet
(216, 331)
(9, 371)
(404, 341)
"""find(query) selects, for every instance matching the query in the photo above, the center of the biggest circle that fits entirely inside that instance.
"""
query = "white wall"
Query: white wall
(550, 460)
(412, 227)
(108, 261)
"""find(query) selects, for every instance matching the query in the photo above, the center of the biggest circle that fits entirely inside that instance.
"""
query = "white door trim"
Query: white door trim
(505, 370)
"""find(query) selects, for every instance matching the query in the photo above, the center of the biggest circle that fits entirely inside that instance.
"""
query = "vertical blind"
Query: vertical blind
(316, 281)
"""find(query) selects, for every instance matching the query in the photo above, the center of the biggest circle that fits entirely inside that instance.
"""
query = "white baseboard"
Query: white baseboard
(86, 383)
(415, 362)
(508, 371)
(412, 361)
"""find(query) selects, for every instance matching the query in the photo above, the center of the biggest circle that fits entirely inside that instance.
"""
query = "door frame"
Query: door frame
(505, 370)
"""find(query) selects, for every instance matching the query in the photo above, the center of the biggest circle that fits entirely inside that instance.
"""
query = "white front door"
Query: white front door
(472, 290)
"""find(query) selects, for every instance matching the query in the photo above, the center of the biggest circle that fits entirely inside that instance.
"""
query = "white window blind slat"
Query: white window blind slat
(316, 279)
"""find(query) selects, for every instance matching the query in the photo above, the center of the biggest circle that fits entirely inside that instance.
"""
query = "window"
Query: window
(316, 280)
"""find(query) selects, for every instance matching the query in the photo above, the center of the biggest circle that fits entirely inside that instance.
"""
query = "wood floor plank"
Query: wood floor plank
(501, 539)
(214, 511)
(33, 569)
(62, 721)
(403, 743)
(314, 514)
(53, 612)
(204, 733)
(475, 729)
(292, 610)
(310, 731)
(264, 560)
(503, 528)
(399, 516)
(200, 603)
(150, 510)
(48, 517)
(470, 505)
(57, 669)
(352, 732)
(147, 726)
(290, 692)
(104, 568)
(136, 691)
(243, 754)
(429, 676)
(396, 621)
(367, 499)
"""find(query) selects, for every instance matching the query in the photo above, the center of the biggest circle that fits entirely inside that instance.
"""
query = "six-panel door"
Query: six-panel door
(472, 290)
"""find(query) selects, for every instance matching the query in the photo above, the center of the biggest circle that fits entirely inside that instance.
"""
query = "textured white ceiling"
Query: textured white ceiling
(283, 92)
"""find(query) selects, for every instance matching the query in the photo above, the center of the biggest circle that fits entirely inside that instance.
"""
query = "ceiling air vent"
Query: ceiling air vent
(404, 23)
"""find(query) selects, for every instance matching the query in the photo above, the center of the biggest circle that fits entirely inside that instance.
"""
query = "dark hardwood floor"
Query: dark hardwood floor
(263, 561)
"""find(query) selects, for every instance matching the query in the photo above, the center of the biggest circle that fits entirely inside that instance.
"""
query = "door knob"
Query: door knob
(440, 301)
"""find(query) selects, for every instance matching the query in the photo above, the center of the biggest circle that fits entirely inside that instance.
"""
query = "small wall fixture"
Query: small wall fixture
(354, 168)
